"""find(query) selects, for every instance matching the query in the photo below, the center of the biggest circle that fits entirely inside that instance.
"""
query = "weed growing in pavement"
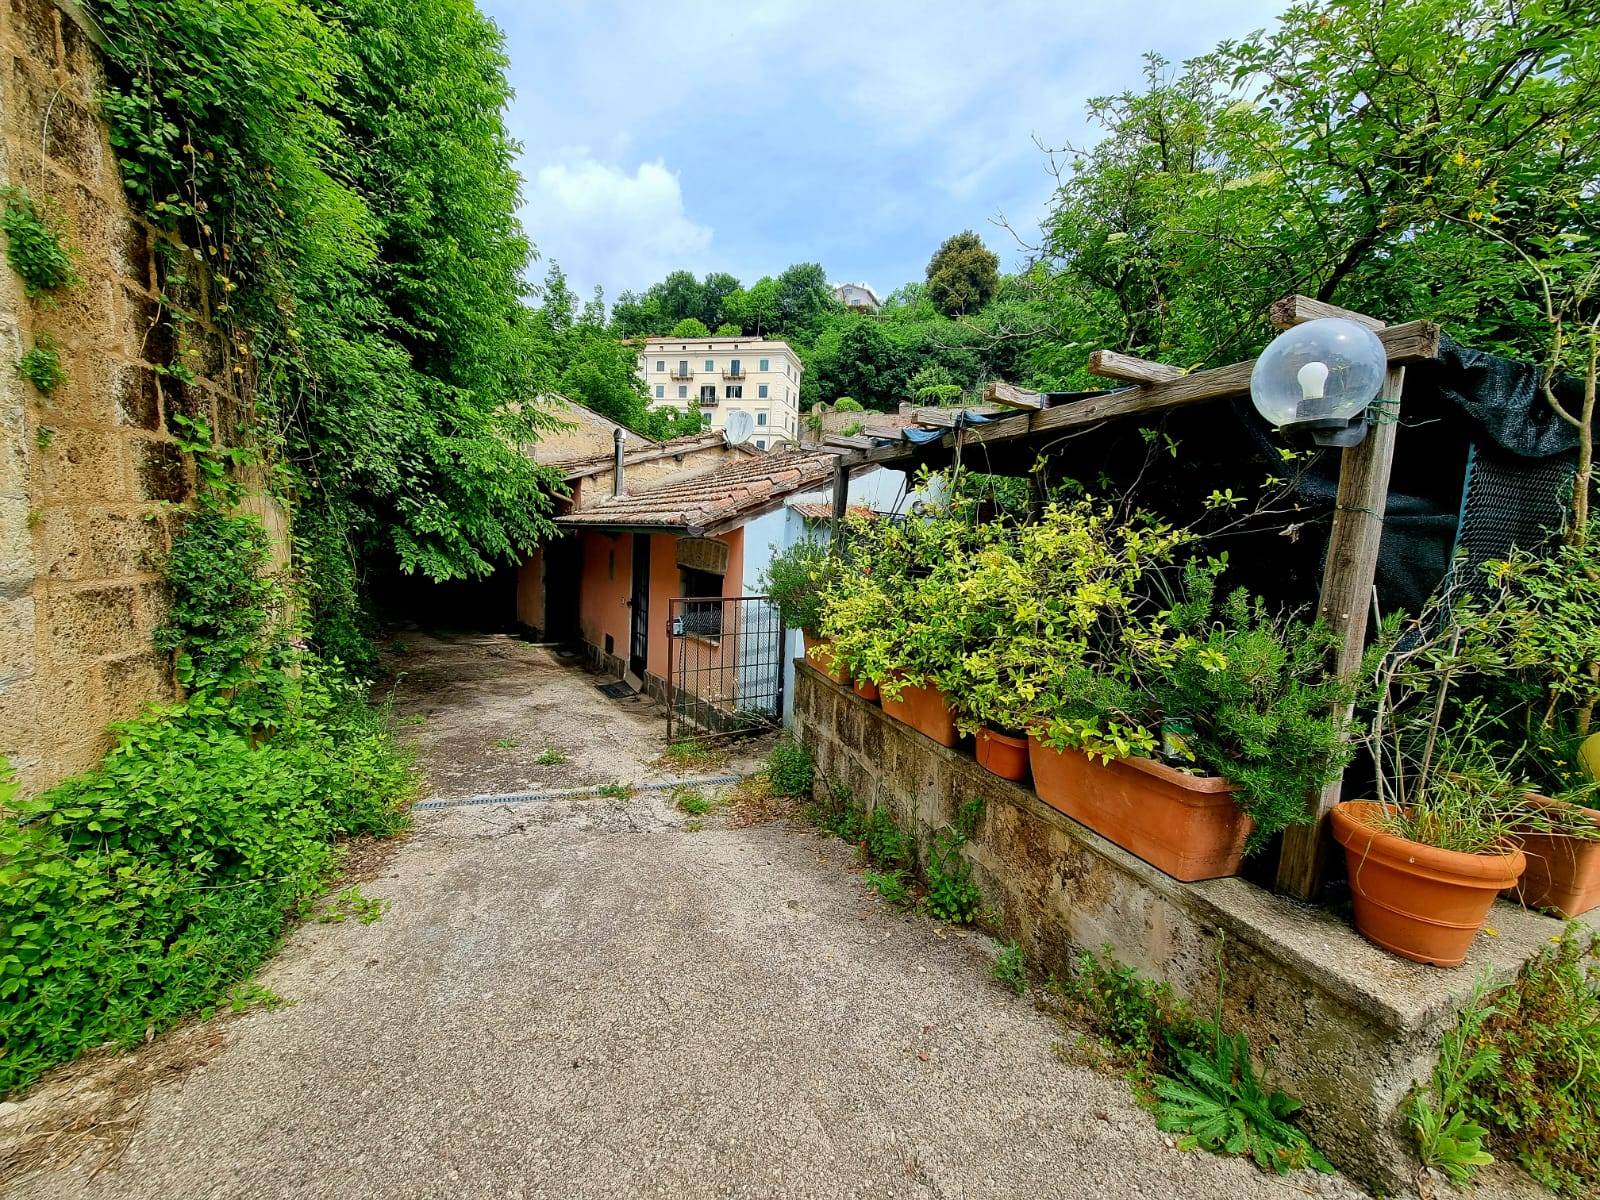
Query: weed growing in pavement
(694, 825)
(838, 814)
(892, 886)
(1201, 1081)
(1519, 1074)
(244, 996)
(791, 769)
(550, 757)
(883, 841)
(686, 752)
(505, 743)
(615, 791)
(352, 903)
(414, 720)
(1010, 968)
(952, 895)
(692, 802)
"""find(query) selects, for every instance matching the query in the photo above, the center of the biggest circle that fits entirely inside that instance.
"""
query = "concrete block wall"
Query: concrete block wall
(91, 475)
(1338, 1023)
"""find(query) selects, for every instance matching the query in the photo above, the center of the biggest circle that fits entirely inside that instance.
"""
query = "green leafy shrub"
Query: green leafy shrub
(41, 365)
(34, 250)
(1266, 711)
(136, 893)
(790, 769)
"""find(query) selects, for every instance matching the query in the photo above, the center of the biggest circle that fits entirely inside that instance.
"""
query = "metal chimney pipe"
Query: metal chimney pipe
(617, 436)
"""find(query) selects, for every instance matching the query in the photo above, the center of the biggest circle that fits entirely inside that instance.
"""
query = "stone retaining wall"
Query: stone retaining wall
(1339, 1024)
(90, 474)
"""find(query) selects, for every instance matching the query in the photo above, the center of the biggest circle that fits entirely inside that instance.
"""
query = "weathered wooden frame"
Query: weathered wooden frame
(1352, 560)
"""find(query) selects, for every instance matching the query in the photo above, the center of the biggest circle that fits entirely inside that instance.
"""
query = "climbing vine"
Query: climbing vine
(342, 170)
(33, 247)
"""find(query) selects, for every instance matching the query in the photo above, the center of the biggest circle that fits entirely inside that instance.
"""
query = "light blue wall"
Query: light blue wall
(771, 533)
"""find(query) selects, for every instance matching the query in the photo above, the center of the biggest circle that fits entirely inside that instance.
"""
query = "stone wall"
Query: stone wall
(1339, 1024)
(90, 476)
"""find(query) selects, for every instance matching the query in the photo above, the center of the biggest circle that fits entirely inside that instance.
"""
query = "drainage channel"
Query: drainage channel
(568, 793)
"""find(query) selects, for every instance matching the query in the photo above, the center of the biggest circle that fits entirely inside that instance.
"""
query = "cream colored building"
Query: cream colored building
(720, 375)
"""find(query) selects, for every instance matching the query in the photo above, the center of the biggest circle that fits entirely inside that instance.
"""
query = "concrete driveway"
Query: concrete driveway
(591, 997)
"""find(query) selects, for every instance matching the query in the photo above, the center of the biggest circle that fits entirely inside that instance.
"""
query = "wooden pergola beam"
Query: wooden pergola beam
(1297, 310)
(996, 392)
(1109, 364)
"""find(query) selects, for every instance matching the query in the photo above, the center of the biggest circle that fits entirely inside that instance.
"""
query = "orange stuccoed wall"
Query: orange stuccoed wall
(607, 584)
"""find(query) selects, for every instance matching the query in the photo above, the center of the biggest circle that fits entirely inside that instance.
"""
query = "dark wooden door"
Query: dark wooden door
(640, 603)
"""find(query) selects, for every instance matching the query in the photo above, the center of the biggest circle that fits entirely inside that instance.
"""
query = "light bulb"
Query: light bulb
(1313, 378)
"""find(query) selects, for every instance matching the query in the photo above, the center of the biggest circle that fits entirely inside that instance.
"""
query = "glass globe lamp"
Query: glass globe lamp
(1318, 378)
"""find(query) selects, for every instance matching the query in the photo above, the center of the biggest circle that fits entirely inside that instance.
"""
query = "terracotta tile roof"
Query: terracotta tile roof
(823, 511)
(707, 501)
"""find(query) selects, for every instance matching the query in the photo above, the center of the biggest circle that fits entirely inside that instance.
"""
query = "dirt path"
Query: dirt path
(594, 997)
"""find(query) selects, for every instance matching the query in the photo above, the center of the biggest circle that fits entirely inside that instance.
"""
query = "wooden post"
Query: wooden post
(841, 500)
(1347, 578)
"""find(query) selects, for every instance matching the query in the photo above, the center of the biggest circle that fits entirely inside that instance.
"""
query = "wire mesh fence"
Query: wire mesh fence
(724, 665)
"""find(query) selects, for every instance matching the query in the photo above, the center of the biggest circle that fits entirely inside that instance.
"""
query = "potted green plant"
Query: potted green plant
(1428, 854)
(1554, 602)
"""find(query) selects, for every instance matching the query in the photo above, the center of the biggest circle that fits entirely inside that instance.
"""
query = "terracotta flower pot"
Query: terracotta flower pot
(823, 658)
(1004, 755)
(1188, 826)
(866, 689)
(926, 710)
(1563, 872)
(1418, 901)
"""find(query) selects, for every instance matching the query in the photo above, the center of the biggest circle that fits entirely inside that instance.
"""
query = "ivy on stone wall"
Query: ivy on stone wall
(343, 170)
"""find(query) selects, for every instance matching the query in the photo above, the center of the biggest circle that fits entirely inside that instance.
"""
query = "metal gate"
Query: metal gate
(724, 665)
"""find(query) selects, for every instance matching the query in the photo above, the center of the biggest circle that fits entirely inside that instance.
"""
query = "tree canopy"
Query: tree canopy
(963, 275)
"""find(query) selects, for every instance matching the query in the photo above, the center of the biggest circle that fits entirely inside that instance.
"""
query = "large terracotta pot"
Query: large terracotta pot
(1563, 873)
(1418, 901)
(866, 689)
(1189, 826)
(1002, 754)
(926, 710)
(824, 659)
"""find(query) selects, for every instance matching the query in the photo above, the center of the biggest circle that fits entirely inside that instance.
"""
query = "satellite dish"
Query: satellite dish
(740, 426)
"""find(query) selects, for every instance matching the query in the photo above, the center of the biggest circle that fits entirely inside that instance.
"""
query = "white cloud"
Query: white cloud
(606, 225)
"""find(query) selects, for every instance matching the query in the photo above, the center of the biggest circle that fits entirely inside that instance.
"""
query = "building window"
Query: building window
(702, 609)
(683, 391)
(761, 418)
(711, 364)
(661, 365)
(708, 393)
(735, 391)
(764, 366)
(661, 392)
(733, 368)
(761, 391)
(683, 368)
(761, 443)
(705, 420)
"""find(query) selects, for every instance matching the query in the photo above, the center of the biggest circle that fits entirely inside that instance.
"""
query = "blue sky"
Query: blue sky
(745, 137)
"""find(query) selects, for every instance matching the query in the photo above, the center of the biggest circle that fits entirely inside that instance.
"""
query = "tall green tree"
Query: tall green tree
(1404, 159)
(390, 356)
(963, 274)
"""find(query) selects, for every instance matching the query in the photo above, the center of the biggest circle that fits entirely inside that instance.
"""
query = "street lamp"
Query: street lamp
(1318, 378)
